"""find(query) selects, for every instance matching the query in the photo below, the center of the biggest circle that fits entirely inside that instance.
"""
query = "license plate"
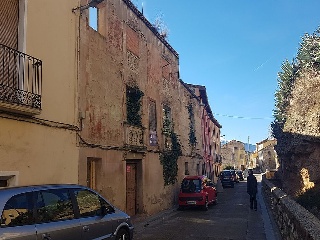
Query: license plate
(191, 202)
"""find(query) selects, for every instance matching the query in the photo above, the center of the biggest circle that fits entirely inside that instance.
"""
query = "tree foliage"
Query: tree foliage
(286, 80)
(169, 160)
(308, 57)
(308, 54)
(192, 130)
(161, 27)
(134, 105)
(169, 157)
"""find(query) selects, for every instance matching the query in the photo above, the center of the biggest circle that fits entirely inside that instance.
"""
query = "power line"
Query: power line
(242, 117)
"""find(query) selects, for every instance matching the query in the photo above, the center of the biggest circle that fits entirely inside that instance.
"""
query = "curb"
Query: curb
(140, 222)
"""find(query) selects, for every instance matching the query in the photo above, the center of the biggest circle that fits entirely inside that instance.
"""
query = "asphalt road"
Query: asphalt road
(230, 219)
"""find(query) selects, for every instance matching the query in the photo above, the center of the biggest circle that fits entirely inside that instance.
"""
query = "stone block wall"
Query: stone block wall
(293, 220)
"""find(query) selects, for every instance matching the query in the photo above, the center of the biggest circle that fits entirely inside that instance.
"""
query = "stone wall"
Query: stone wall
(299, 146)
(293, 220)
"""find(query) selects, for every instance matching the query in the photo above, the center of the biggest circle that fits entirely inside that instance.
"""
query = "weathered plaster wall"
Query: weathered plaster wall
(124, 52)
(43, 149)
(37, 154)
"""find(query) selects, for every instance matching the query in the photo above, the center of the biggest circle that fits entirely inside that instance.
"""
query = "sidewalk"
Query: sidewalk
(142, 221)
(270, 227)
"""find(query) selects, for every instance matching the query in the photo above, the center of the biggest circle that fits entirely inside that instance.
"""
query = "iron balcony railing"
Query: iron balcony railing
(20, 78)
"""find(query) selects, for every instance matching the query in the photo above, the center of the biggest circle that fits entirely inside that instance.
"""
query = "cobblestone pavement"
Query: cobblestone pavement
(230, 219)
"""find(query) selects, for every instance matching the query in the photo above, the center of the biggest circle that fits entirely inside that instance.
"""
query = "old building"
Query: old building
(233, 154)
(38, 101)
(210, 136)
(266, 155)
(252, 160)
(103, 108)
(141, 127)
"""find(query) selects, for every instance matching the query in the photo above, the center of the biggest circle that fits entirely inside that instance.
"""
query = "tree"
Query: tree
(308, 57)
(286, 80)
(309, 51)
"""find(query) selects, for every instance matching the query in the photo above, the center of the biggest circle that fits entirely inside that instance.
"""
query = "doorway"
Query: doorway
(94, 168)
(131, 189)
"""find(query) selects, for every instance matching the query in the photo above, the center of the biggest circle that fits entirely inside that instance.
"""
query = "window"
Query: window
(18, 211)
(8, 178)
(186, 168)
(134, 106)
(3, 183)
(93, 172)
(152, 123)
(191, 185)
(54, 205)
(167, 119)
(93, 18)
(90, 204)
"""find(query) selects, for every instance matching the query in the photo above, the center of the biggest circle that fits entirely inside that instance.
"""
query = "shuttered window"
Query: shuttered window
(9, 17)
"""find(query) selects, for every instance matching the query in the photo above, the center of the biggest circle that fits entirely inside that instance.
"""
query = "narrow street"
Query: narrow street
(230, 219)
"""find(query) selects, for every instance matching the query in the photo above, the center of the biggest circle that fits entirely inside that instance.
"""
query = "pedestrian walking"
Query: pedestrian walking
(252, 190)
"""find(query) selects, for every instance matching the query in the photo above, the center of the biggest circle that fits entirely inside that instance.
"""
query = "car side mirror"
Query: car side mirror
(106, 210)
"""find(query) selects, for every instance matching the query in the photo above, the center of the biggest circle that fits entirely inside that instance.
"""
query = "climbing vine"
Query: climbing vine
(169, 157)
(134, 105)
(169, 160)
(192, 132)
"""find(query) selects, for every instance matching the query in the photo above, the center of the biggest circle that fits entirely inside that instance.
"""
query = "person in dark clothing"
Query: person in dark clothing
(252, 190)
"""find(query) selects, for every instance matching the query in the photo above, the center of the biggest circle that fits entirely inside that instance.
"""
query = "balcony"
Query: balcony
(20, 82)
(134, 136)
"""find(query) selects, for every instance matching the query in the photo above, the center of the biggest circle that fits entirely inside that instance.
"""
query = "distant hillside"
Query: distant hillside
(251, 147)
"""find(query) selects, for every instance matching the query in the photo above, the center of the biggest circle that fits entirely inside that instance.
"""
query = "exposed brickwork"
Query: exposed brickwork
(131, 54)
(132, 40)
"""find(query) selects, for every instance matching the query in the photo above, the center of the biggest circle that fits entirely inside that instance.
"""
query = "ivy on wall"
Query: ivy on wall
(192, 131)
(169, 157)
(134, 105)
(169, 160)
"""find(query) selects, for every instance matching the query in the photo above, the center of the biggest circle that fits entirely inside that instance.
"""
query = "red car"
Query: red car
(197, 191)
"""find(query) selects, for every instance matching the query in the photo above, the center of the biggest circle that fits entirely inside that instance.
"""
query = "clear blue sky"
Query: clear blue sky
(236, 48)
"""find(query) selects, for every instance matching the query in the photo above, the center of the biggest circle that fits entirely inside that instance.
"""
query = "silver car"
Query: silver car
(63, 212)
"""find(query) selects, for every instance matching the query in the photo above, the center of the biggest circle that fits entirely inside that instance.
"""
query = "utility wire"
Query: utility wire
(241, 117)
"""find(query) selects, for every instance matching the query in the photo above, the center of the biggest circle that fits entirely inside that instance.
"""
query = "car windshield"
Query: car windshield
(226, 173)
(191, 185)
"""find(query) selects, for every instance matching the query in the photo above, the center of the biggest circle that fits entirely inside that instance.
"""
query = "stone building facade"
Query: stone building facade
(267, 157)
(210, 136)
(132, 106)
(103, 108)
(233, 154)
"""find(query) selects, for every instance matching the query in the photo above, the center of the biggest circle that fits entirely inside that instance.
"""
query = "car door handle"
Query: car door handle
(86, 228)
(46, 236)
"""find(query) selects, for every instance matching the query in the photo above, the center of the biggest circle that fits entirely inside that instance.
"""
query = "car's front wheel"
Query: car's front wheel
(123, 234)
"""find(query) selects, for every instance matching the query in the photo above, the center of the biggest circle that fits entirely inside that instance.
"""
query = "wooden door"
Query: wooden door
(91, 173)
(131, 188)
